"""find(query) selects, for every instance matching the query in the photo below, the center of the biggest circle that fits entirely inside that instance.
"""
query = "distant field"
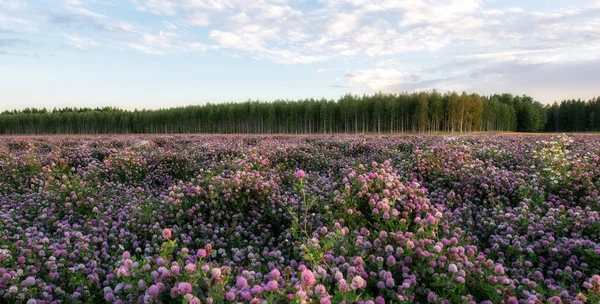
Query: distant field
(481, 217)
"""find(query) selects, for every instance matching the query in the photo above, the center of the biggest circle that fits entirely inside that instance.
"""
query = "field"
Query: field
(303, 219)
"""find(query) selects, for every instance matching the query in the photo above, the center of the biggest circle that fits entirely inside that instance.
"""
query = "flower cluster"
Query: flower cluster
(302, 219)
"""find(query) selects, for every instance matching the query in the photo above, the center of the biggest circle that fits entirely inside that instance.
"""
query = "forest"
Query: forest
(379, 113)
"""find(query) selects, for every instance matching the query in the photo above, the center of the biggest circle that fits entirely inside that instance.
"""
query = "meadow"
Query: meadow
(300, 219)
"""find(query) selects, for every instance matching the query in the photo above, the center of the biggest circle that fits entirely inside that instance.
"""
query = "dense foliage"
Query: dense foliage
(304, 219)
(379, 113)
(574, 116)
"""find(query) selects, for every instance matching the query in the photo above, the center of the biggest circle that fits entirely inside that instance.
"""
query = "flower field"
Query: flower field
(300, 219)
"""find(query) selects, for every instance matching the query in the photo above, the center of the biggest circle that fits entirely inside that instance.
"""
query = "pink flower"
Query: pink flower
(174, 292)
(308, 278)
(190, 267)
(201, 253)
(216, 273)
(230, 296)
(300, 174)
(195, 300)
(343, 286)
(499, 269)
(166, 233)
(185, 287)
(272, 285)
(274, 274)
(358, 282)
(452, 268)
(122, 272)
(320, 289)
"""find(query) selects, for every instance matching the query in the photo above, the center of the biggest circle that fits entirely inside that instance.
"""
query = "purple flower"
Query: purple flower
(391, 260)
(109, 297)
(29, 281)
(256, 289)
(241, 282)
(153, 290)
(555, 299)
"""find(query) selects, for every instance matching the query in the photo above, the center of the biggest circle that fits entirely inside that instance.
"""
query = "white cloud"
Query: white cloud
(240, 18)
(341, 24)
(81, 43)
(274, 11)
(377, 79)
(145, 49)
(199, 19)
(160, 7)
(290, 57)
(13, 5)
(11, 13)
(120, 27)
(209, 4)
(435, 12)
(284, 31)
(165, 43)
(515, 10)
(235, 41)
(85, 12)
(170, 25)
(251, 37)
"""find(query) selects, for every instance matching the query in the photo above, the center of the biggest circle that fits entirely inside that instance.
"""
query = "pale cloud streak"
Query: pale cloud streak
(387, 45)
(81, 43)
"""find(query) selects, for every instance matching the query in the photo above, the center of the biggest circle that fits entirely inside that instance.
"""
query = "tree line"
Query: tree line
(574, 116)
(379, 113)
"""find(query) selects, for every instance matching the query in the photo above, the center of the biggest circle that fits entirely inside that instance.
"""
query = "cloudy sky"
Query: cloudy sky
(162, 53)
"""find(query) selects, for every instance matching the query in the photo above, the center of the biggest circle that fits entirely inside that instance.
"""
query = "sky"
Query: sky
(164, 53)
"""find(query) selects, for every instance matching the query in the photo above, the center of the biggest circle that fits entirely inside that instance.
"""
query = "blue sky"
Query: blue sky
(163, 53)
